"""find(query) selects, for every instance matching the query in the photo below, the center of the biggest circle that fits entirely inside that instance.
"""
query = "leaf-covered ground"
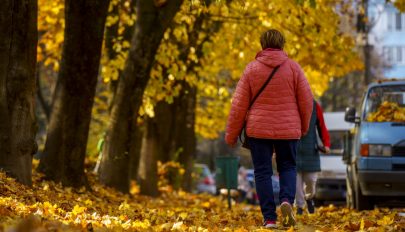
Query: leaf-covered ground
(49, 207)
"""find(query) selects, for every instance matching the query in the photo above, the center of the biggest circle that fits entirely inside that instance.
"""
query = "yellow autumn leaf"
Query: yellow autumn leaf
(178, 226)
(183, 215)
(88, 202)
(291, 229)
(124, 206)
(362, 224)
(385, 221)
(206, 205)
(78, 210)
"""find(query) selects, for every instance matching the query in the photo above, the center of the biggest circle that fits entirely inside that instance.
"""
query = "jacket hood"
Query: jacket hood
(271, 57)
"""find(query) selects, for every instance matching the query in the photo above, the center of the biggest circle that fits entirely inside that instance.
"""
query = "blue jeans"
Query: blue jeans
(262, 152)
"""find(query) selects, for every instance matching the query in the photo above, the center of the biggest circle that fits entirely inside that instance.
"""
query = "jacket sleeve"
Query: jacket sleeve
(304, 99)
(321, 126)
(239, 108)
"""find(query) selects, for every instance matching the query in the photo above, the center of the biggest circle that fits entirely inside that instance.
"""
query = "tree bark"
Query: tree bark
(176, 121)
(170, 136)
(185, 136)
(173, 128)
(152, 21)
(63, 158)
(18, 42)
(161, 132)
(148, 178)
(136, 155)
(44, 104)
(112, 34)
(185, 139)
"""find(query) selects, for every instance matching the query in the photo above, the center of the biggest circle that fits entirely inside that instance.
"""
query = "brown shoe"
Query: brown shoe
(288, 214)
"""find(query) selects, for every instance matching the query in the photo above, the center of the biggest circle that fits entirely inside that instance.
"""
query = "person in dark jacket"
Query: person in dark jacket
(308, 160)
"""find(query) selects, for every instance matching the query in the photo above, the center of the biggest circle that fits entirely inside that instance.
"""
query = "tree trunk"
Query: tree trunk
(176, 121)
(112, 33)
(136, 155)
(173, 127)
(161, 128)
(148, 178)
(185, 114)
(41, 99)
(166, 139)
(165, 118)
(186, 138)
(152, 21)
(65, 148)
(18, 42)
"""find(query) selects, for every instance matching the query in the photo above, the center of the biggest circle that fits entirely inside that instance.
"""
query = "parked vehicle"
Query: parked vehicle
(252, 197)
(376, 165)
(205, 182)
(331, 184)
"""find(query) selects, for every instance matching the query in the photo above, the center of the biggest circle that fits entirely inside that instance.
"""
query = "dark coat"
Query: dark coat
(308, 159)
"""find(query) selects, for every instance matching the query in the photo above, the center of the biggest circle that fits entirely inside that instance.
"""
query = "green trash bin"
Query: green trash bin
(226, 174)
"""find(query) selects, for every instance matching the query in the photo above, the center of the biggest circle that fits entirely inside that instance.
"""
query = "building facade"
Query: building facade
(387, 36)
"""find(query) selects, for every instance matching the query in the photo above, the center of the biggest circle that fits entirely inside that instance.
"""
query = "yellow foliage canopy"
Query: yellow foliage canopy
(399, 4)
(313, 40)
(51, 26)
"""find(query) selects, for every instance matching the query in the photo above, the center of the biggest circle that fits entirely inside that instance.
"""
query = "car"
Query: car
(252, 197)
(376, 163)
(331, 183)
(204, 179)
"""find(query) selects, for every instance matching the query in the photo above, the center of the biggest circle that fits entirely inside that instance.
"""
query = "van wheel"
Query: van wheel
(350, 200)
(362, 202)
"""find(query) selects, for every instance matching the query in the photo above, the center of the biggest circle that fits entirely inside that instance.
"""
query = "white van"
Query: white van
(331, 184)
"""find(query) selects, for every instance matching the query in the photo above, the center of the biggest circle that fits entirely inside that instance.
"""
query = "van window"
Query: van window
(385, 104)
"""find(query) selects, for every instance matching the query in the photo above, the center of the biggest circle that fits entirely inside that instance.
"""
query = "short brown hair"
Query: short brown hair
(272, 39)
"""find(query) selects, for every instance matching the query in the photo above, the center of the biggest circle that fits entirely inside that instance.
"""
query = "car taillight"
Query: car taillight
(364, 149)
(208, 181)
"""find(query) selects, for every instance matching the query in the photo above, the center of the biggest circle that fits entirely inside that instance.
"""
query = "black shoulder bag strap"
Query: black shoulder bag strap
(254, 99)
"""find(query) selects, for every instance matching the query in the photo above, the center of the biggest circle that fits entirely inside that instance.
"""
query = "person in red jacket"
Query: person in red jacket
(277, 119)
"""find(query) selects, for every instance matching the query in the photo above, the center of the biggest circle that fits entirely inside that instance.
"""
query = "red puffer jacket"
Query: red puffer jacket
(282, 111)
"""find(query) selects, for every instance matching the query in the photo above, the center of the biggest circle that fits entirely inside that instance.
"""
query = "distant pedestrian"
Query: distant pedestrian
(308, 160)
(275, 121)
(243, 184)
(100, 146)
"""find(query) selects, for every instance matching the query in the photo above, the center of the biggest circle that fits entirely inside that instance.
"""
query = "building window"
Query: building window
(398, 21)
(390, 55)
(399, 54)
(389, 25)
(403, 55)
(385, 52)
(389, 21)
